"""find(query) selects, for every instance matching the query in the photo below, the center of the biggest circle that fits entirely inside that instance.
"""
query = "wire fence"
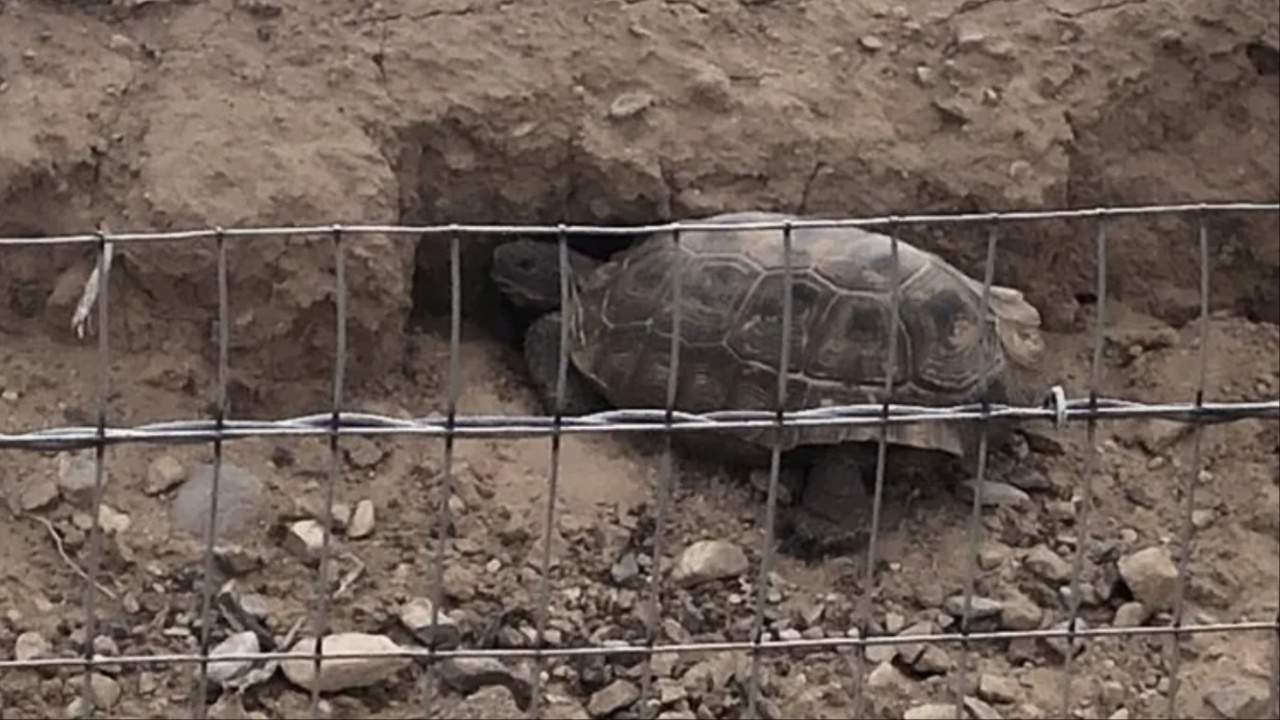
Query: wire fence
(336, 423)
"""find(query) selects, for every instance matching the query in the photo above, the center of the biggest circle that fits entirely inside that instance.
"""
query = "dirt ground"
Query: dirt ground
(158, 115)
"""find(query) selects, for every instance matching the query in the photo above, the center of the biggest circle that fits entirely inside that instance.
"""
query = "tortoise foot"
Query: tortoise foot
(812, 538)
(832, 515)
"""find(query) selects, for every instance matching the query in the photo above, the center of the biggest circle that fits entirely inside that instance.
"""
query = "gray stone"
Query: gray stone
(1239, 699)
(1047, 564)
(1130, 614)
(1019, 612)
(1151, 576)
(240, 497)
(998, 688)
(163, 474)
(344, 673)
(467, 675)
(430, 627)
(709, 560)
(615, 696)
(932, 711)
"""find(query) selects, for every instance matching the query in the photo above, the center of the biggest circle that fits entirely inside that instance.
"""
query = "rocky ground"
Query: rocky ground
(142, 115)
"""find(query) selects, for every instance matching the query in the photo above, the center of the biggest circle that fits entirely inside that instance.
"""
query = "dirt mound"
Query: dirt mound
(180, 115)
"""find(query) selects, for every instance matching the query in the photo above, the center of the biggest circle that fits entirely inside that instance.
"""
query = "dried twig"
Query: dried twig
(62, 552)
(352, 577)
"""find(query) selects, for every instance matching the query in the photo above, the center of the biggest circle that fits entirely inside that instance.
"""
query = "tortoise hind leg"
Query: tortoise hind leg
(832, 515)
(542, 358)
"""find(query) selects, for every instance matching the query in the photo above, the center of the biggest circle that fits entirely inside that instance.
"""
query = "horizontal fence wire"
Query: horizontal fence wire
(336, 424)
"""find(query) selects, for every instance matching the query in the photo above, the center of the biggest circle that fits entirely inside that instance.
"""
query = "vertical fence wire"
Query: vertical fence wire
(99, 470)
(1274, 696)
(985, 326)
(207, 589)
(1093, 462)
(453, 388)
(322, 588)
(666, 484)
(1187, 532)
(882, 455)
(775, 471)
(553, 484)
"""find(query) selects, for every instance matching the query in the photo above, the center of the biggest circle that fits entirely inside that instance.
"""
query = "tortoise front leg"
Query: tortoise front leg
(832, 515)
(542, 357)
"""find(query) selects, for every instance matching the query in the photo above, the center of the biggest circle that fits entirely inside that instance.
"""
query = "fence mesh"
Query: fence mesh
(336, 423)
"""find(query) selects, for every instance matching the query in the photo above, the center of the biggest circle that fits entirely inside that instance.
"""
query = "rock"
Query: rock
(626, 568)
(1151, 576)
(467, 675)
(38, 494)
(305, 540)
(362, 452)
(709, 560)
(1130, 614)
(106, 691)
(1157, 435)
(112, 521)
(998, 688)
(1202, 518)
(980, 710)
(254, 605)
(561, 708)
(881, 652)
(32, 645)
(886, 677)
(713, 675)
(441, 631)
(628, 105)
(1061, 645)
(123, 45)
(163, 474)
(613, 697)
(362, 520)
(77, 477)
(979, 607)
(1047, 564)
(934, 660)
(996, 494)
(489, 703)
(894, 623)
(228, 706)
(339, 516)
(241, 643)
(670, 691)
(910, 652)
(1019, 612)
(871, 43)
(240, 496)
(932, 711)
(992, 555)
(1239, 699)
(237, 561)
(344, 673)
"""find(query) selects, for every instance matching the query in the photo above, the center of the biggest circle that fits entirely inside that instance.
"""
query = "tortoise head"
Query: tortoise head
(1019, 331)
(527, 272)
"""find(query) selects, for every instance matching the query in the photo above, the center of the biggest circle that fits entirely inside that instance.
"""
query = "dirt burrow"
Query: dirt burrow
(180, 115)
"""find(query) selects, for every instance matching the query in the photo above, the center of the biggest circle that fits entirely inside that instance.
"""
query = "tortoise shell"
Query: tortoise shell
(731, 303)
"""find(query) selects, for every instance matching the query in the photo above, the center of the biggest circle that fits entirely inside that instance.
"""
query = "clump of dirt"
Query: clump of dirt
(174, 116)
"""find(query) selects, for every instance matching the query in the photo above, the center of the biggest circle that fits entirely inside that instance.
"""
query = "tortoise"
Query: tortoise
(731, 305)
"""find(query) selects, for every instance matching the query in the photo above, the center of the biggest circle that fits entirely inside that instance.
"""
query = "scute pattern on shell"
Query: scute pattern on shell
(732, 300)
